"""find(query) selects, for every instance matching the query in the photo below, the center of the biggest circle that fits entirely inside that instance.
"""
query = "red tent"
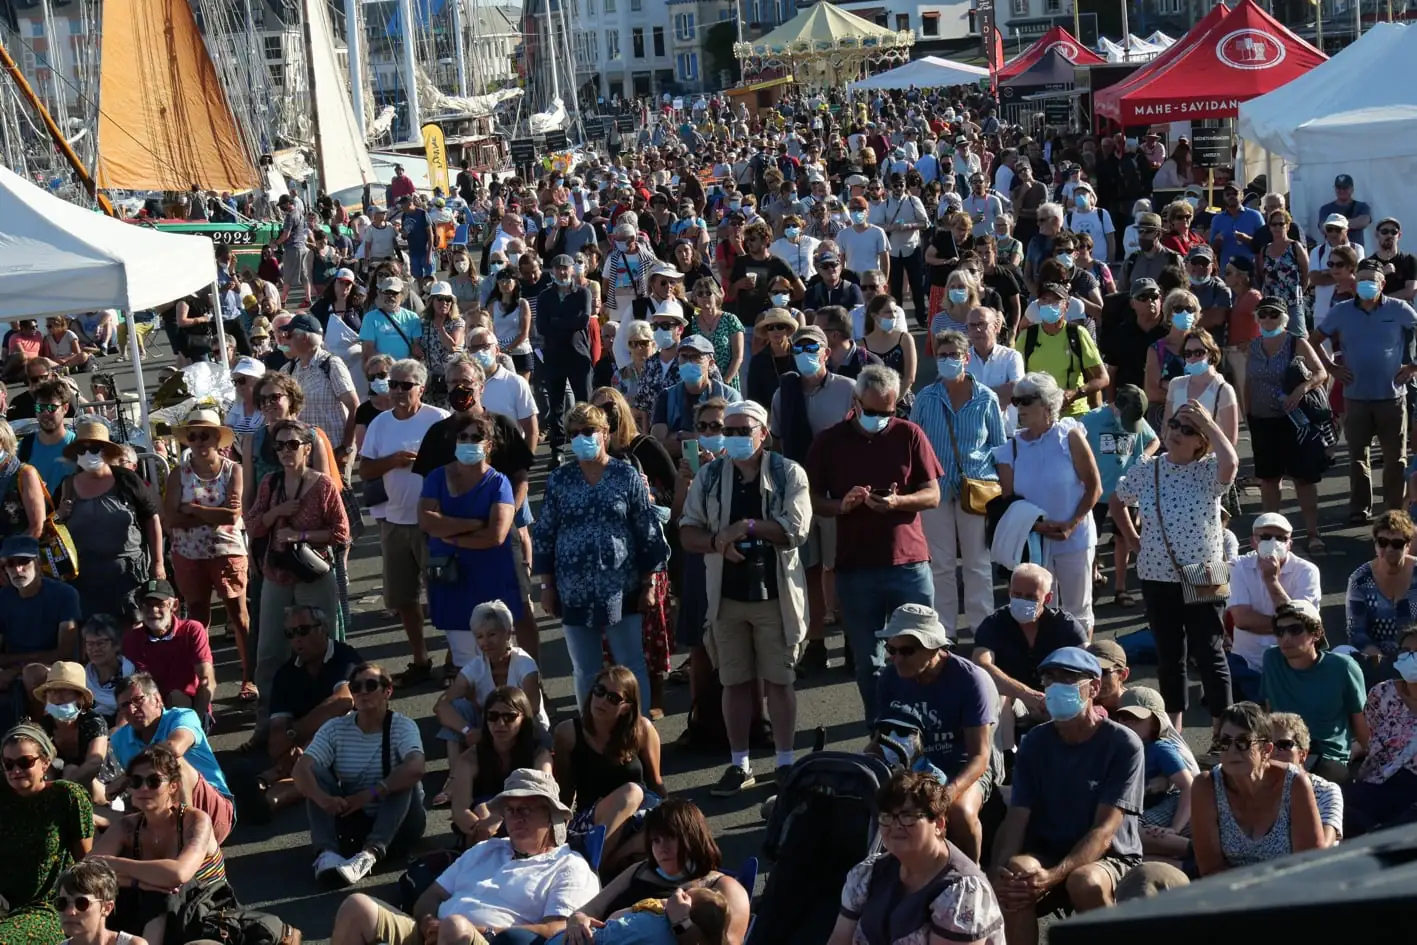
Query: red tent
(1056, 38)
(1105, 102)
(1242, 55)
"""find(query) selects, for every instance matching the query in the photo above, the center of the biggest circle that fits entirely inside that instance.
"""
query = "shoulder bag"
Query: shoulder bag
(1204, 582)
(444, 569)
(299, 558)
(974, 494)
(58, 555)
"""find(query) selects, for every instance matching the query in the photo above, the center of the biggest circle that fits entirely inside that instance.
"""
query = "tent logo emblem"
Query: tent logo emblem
(1068, 50)
(1250, 49)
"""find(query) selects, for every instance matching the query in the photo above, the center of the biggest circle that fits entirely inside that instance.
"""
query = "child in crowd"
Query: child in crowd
(647, 921)
(1170, 771)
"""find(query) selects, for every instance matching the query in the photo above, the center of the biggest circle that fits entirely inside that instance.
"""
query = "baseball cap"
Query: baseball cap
(918, 621)
(828, 258)
(391, 284)
(19, 546)
(1072, 658)
(249, 367)
(156, 588)
(441, 290)
(1272, 520)
(1231, 185)
(304, 322)
(1336, 219)
(900, 716)
(1108, 653)
(344, 275)
(1344, 181)
(1143, 702)
(697, 343)
(1144, 286)
(1201, 252)
(746, 408)
(1131, 403)
(809, 333)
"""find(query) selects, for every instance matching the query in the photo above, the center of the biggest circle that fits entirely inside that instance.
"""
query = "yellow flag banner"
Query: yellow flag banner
(436, 151)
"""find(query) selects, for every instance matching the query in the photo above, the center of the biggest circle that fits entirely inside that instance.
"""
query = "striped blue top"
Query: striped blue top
(979, 426)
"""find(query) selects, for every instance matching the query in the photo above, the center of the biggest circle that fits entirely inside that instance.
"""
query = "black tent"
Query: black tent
(1053, 69)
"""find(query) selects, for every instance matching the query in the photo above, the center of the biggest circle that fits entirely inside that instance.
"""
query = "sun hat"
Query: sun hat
(66, 675)
(260, 326)
(441, 290)
(1109, 653)
(530, 782)
(249, 367)
(91, 432)
(205, 418)
(918, 621)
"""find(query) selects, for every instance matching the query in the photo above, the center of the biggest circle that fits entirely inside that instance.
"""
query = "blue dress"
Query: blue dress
(485, 573)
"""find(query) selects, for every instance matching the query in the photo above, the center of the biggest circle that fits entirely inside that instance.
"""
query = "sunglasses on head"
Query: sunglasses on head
(300, 630)
(80, 903)
(609, 695)
(1174, 424)
(368, 684)
(23, 763)
(152, 781)
(1390, 542)
(289, 444)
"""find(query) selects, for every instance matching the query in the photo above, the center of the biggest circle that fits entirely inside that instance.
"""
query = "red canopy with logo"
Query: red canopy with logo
(1056, 38)
(1234, 56)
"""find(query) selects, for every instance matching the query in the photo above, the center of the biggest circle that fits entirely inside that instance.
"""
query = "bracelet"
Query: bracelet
(303, 533)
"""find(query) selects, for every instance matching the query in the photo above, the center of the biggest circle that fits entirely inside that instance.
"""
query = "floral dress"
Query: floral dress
(208, 541)
(958, 904)
(435, 355)
(37, 834)
(722, 338)
(1393, 726)
(1281, 279)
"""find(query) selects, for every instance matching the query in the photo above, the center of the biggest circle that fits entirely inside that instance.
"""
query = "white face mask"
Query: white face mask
(1274, 549)
(90, 461)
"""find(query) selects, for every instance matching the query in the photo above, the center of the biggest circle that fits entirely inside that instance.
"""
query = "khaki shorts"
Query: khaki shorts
(395, 928)
(405, 554)
(747, 642)
(820, 550)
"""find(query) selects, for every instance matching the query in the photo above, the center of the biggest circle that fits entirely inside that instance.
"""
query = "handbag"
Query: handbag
(299, 558)
(58, 556)
(350, 501)
(443, 569)
(374, 492)
(974, 494)
(1204, 582)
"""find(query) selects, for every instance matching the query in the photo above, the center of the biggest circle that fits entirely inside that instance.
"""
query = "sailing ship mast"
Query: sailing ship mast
(410, 70)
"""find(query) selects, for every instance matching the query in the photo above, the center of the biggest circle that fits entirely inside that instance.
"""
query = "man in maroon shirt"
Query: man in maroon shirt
(175, 651)
(874, 473)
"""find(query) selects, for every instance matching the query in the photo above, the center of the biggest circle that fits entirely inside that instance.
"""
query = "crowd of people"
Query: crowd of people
(747, 446)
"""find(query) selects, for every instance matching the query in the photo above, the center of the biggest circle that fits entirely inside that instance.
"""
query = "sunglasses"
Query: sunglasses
(907, 651)
(1390, 542)
(708, 426)
(270, 399)
(609, 695)
(239, 381)
(367, 685)
(1174, 424)
(1284, 744)
(80, 903)
(23, 763)
(867, 411)
(1386, 233)
(1026, 401)
(152, 782)
(870, 287)
(809, 348)
(381, 376)
(300, 630)
(504, 718)
(639, 344)
(1192, 354)
(584, 431)
(289, 445)
(1238, 742)
(664, 326)
(47, 408)
(200, 437)
(403, 385)
(1290, 630)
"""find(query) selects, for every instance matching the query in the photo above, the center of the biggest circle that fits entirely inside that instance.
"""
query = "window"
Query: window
(612, 44)
(636, 5)
(725, 14)
(1020, 7)
(658, 40)
(1171, 7)
(1052, 6)
(277, 75)
(686, 66)
(590, 7)
(902, 21)
(684, 26)
(930, 24)
(637, 43)
(274, 51)
(609, 6)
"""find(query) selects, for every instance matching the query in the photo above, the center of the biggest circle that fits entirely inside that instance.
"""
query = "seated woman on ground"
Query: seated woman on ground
(683, 858)
(508, 740)
(497, 662)
(80, 734)
(164, 853)
(653, 921)
(103, 648)
(88, 893)
(607, 762)
(1291, 746)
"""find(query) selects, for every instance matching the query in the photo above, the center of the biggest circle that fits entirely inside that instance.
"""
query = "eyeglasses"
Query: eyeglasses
(708, 426)
(1285, 744)
(1028, 400)
(367, 684)
(133, 703)
(1186, 428)
(1290, 629)
(609, 695)
(403, 385)
(80, 903)
(1192, 354)
(200, 437)
(811, 347)
(301, 630)
(23, 763)
(1390, 542)
(152, 782)
(1238, 742)
(270, 399)
(290, 444)
(47, 408)
(503, 718)
(907, 651)
(903, 818)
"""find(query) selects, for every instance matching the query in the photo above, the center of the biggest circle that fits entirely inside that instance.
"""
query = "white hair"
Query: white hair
(1036, 383)
(1050, 211)
(878, 378)
(1035, 572)
(410, 369)
(492, 611)
(481, 331)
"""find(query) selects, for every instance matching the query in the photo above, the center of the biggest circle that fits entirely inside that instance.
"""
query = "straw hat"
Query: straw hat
(88, 433)
(205, 418)
(66, 675)
(774, 316)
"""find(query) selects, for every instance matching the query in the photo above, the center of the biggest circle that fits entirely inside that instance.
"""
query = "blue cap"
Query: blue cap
(1073, 658)
(19, 546)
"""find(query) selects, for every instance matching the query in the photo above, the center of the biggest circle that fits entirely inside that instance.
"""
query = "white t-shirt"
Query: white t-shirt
(1095, 223)
(491, 888)
(508, 393)
(1298, 578)
(478, 672)
(386, 436)
(1004, 179)
(863, 248)
(798, 255)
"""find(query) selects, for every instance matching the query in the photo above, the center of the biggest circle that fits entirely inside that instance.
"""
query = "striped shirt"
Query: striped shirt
(979, 425)
(356, 757)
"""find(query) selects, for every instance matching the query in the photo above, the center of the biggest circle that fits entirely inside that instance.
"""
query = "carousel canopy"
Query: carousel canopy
(822, 30)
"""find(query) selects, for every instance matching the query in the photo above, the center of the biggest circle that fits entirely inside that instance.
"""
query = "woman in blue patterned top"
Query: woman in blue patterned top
(596, 545)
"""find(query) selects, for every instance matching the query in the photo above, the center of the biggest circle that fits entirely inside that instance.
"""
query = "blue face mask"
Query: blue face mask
(64, 712)
(1405, 664)
(494, 268)
(858, 216)
(949, 369)
(713, 442)
(379, 385)
(1272, 332)
(780, 299)
(1065, 260)
(691, 373)
(1064, 701)
(872, 424)
(1196, 367)
(485, 358)
(958, 296)
(1182, 320)
(792, 232)
(1023, 609)
(586, 447)
(284, 349)
(470, 454)
(739, 447)
(808, 364)
(1367, 291)
(663, 338)
(1080, 201)
(1198, 280)
(1050, 314)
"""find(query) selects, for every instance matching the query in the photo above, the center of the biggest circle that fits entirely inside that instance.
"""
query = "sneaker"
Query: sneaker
(734, 780)
(327, 862)
(813, 659)
(356, 868)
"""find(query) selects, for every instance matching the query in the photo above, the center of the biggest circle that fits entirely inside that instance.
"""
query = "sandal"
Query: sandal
(1317, 547)
(441, 799)
(1124, 599)
(249, 692)
(414, 674)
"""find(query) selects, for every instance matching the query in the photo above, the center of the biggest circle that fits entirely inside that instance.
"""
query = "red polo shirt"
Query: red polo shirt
(844, 456)
(172, 660)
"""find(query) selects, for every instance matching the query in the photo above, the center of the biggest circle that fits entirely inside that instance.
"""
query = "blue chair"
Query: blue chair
(595, 846)
(747, 877)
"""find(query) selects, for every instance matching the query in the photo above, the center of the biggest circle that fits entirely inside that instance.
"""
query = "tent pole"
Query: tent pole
(145, 429)
(220, 329)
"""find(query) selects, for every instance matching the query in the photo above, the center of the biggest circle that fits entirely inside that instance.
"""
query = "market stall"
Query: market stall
(1057, 39)
(825, 47)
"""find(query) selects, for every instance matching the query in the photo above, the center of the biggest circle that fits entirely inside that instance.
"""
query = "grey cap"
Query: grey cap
(697, 343)
(1142, 286)
(562, 260)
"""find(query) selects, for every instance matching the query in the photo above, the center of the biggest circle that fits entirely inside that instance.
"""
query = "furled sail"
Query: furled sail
(434, 101)
(343, 156)
(164, 121)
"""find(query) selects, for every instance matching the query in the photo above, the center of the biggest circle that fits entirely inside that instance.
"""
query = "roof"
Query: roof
(1056, 38)
(824, 27)
(1227, 59)
(927, 72)
(1051, 69)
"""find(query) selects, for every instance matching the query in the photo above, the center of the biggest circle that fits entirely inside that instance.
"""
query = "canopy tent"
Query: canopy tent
(1160, 40)
(928, 72)
(824, 46)
(1133, 50)
(1052, 69)
(1316, 123)
(1056, 38)
(1103, 100)
(1240, 56)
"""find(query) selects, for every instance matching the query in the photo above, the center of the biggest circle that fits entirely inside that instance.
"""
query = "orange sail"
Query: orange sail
(164, 122)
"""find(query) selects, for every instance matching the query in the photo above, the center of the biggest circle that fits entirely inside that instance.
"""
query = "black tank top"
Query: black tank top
(648, 884)
(597, 776)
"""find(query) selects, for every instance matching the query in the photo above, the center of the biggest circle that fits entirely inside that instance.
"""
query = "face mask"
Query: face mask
(379, 385)
(691, 373)
(90, 461)
(1193, 201)
(586, 447)
(807, 364)
(1272, 332)
(470, 453)
(739, 448)
(872, 424)
(792, 232)
(1023, 609)
(462, 265)
(1198, 280)
(858, 216)
(735, 205)
(1194, 368)
(713, 442)
(1406, 666)
(622, 246)
(887, 325)
(1064, 701)
(1080, 202)
(494, 267)
(1273, 548)
(1050, 314)
(461, 398)
(485, 358)
(780, 299)
(949, 369)
(284, 349)
(64, 712)
(664, 338)
(959, 296)
(512, 258)
(1182, 319)
(1065, 260)
(580, 269)
(1367, 291)
(562, 282)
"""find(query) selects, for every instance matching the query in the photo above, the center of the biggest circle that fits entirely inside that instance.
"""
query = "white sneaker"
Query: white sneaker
(327, 862)
(356, 867)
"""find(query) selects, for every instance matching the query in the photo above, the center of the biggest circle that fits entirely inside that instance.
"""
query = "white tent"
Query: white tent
(928, 72)
(1160, 40)
(1316, 123)
(57, 257)
(1136, 50)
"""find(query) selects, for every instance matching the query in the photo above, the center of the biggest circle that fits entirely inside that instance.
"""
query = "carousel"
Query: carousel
(824, 47)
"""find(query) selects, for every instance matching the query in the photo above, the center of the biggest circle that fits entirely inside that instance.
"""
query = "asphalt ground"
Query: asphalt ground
(270, 865)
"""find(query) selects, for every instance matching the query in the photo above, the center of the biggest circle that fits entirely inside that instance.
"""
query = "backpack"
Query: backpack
(823, 823)
(1030, 342)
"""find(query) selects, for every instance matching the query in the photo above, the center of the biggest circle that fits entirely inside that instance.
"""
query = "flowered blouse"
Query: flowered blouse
(598, 540)
(958, 905)
(1394, 726)
(320, 508)
(1373, 619)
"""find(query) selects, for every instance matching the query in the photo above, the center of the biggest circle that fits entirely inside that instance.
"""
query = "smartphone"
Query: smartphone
(691, 454)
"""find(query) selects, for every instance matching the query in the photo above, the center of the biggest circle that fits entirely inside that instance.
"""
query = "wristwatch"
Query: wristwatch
(683, 925)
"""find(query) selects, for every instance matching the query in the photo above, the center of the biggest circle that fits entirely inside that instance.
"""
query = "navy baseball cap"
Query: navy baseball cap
(1074, 659)
(1343, 181)
(19, 546)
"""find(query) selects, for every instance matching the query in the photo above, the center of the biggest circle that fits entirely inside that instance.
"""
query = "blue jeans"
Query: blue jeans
(626, 645)
(868, 598)
(1243, 680)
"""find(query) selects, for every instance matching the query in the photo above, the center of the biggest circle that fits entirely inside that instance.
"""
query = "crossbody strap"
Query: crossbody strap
(1161, 522)
(391, 321)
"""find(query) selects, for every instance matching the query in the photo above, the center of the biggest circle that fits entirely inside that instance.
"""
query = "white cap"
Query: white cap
(1272, 520)
(746, 408)
(441, 289)
(1336, 219)
(249, 367)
